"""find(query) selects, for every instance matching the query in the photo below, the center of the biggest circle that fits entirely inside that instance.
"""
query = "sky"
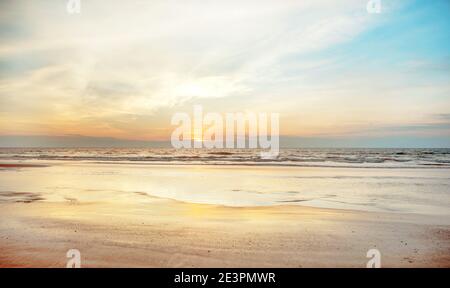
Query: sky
(336, 74)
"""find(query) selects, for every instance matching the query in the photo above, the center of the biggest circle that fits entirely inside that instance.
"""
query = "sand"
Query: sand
(169, 233)
(20, 165)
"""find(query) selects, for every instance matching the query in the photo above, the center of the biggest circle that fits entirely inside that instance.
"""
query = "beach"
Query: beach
(225, 134)
(116, 216)
(170, 234)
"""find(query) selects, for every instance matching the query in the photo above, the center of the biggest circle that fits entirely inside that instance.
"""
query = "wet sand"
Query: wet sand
(20, 165)
(168, 233)
(136, 216)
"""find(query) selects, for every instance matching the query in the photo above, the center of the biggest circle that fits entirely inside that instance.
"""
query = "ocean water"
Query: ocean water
(382, 180)
(370, 158)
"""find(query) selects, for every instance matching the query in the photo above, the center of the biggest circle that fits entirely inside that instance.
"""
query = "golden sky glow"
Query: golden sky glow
(122, 68)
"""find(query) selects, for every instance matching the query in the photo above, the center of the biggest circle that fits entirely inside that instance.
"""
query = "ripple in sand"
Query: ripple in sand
(20, 197)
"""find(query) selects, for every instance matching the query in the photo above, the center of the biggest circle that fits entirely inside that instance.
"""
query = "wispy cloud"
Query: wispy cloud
(116, 66)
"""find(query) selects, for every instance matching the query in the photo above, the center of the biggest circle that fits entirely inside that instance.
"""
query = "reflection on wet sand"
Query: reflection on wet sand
(171, 216)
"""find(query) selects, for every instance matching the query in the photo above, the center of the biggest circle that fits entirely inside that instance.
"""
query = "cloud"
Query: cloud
(74, 141)
(119, 58)
(121, 67)
(443, 117)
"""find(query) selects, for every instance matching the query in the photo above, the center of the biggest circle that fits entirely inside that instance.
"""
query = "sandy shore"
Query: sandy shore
(20, 165)
(168, 233)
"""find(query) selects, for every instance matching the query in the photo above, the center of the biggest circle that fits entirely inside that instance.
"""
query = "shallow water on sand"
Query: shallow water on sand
(421, 191)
